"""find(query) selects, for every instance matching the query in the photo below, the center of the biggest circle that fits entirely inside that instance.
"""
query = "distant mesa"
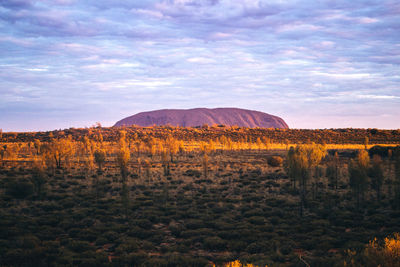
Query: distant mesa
(201, 116)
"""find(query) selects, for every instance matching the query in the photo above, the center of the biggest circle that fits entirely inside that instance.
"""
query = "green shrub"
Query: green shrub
(214, 243)
(20, 188)
(79, 246)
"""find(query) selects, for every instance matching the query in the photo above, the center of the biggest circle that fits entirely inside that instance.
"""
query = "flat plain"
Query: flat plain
(167, 196)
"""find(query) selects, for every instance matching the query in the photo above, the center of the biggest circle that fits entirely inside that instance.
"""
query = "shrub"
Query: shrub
(79, 246)
(275, 161)
(385, 254)
(379, 150)
(214, 243)
(257, 220)
(195, 173)
(20, 188)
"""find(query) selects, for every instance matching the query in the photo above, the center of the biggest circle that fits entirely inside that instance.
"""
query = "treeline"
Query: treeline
(192, 134)
(149, 197)
(59, 150)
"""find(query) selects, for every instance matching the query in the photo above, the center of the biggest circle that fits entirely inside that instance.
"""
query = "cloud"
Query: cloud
(200, 60)
(290, 58)
(16, 4)
(379, 96)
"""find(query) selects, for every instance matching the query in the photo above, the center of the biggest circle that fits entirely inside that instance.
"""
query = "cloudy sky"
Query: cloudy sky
(316, 64)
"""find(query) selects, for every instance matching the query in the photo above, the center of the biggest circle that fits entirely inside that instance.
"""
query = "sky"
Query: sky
(316, 64)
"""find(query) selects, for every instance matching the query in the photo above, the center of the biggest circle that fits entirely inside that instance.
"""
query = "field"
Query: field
(166, 196)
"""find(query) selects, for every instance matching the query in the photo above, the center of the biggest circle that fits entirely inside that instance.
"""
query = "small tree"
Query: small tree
(123, 156)
(366, 142)
(139, 164)
(376, 174)
(147, 167)
(2, 154)
(165, 163)
(39, 177)
(267, 142)
(205, 165)
(61, 150)
(390, 155)
(173, 147)
(293, 166)
(37, 144)
(100, 158)
(259, 144)
(358, 169)
(300, 163)
(397, 181)
(332, 171)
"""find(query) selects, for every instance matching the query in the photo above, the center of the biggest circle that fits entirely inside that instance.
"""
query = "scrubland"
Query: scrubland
(167, 196)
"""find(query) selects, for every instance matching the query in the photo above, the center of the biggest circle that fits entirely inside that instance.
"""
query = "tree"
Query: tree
(332, 171)
(390, 154)
(37, 144)
(366, 142)
(99, 158)
(165, 163)
(61, 150)
(123, 157)
(147, 167)
(173, 147)
(259, 144)
(39, 177)
(139, 164)
(2, 154)
(300, 164)
(376, 174)
(205, 165)
(267, 142)
(397, 181)
(294, 167)
(138, 147)
(358, 169)
(151, 146)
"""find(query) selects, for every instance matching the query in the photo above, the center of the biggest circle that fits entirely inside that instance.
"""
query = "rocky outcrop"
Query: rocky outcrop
(201, 116)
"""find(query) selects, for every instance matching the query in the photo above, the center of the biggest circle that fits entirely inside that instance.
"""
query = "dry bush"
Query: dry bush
(275, 161)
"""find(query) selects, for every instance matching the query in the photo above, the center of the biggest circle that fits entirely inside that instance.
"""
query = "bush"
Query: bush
(20, 188)
(379, 150)
(214, 243)
(257, 220)
(275, 161)
(79, 246)
(195, 173)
